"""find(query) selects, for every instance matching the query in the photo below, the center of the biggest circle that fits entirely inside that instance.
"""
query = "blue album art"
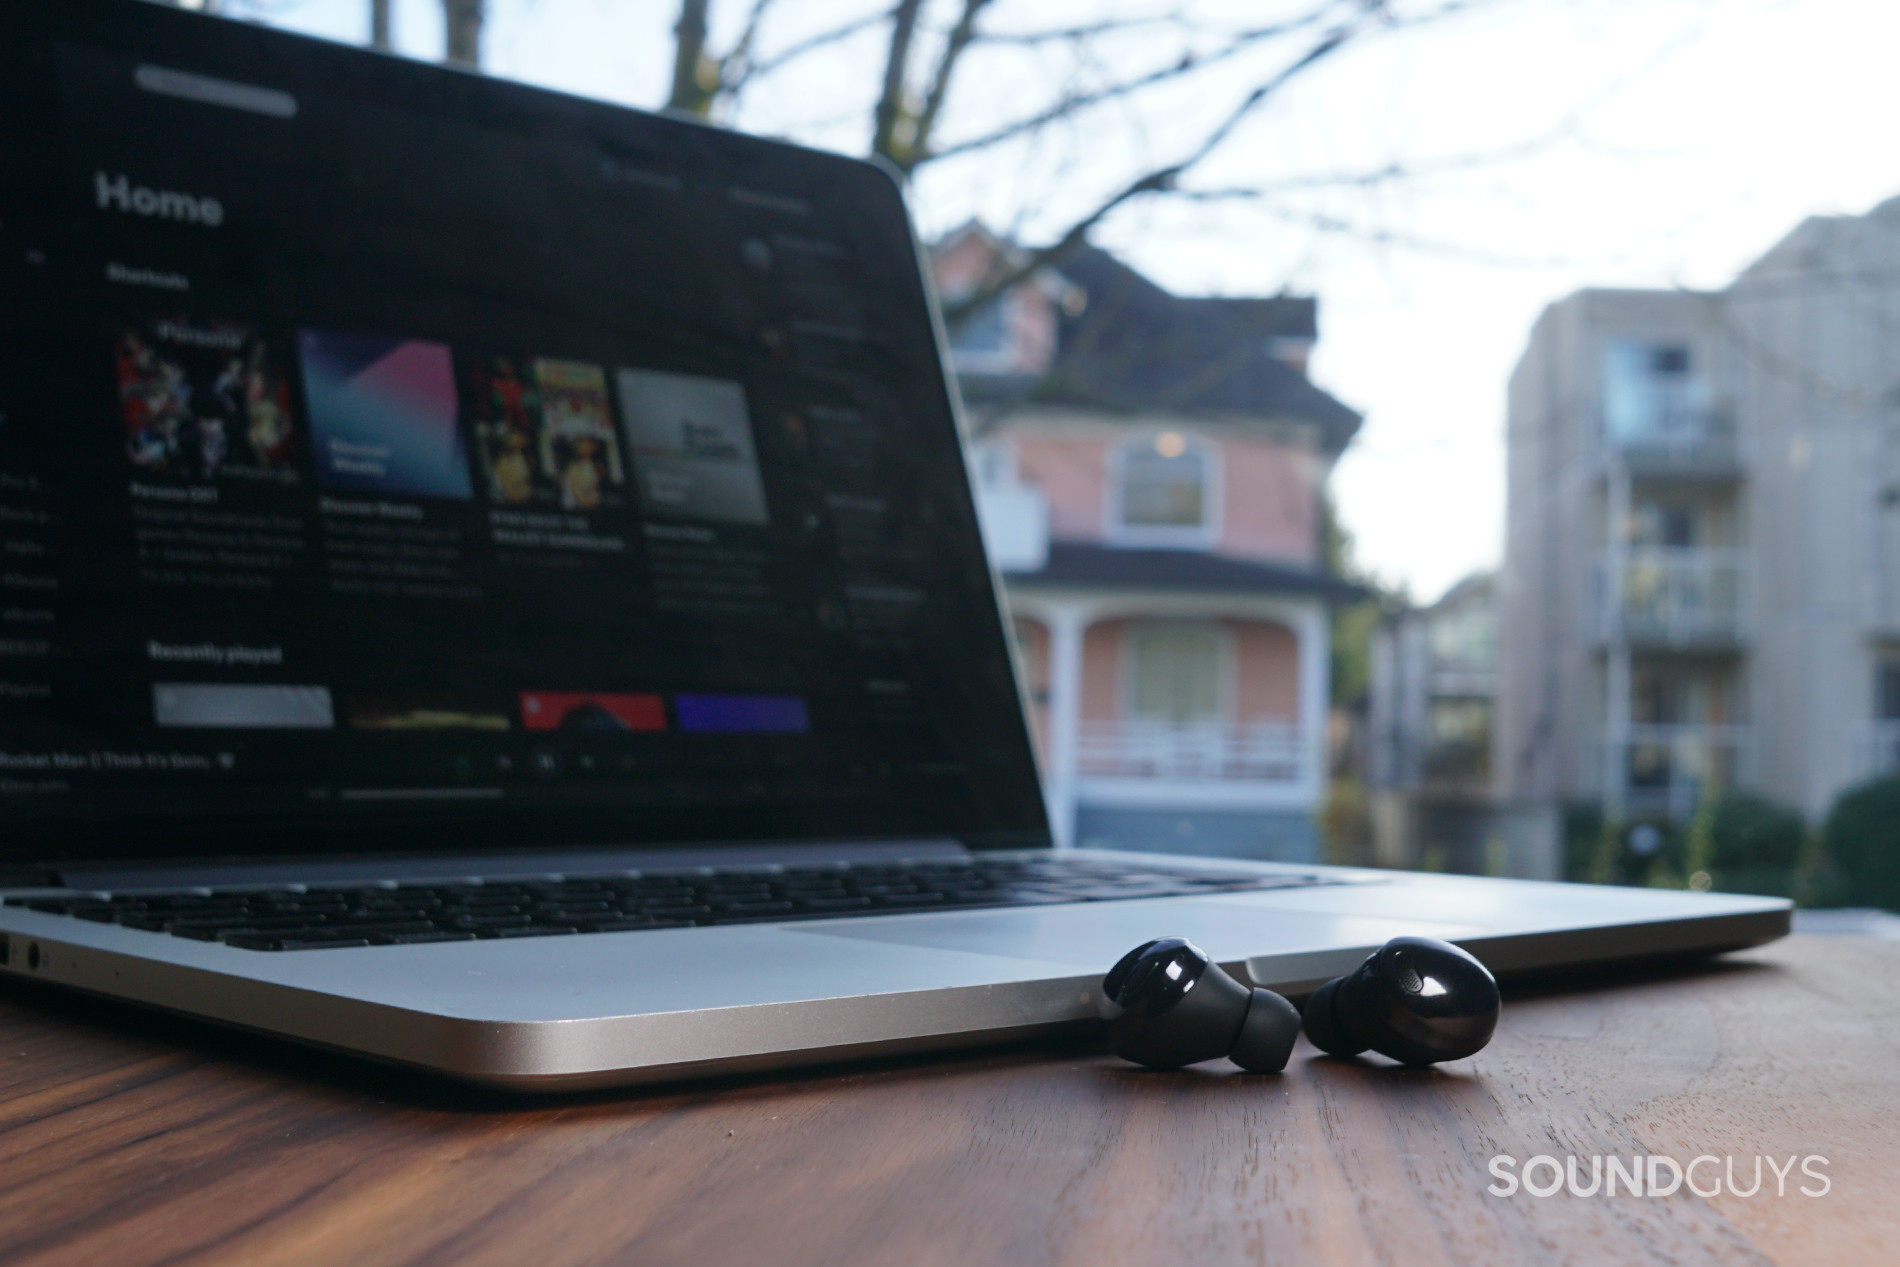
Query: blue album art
(383, 414)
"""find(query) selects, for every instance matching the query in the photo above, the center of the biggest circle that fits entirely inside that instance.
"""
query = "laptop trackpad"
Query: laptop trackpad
(1092, 936)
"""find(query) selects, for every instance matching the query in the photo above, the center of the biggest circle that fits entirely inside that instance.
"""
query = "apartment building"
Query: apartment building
(1701, 583)
(1150, 470)
(1428, 718)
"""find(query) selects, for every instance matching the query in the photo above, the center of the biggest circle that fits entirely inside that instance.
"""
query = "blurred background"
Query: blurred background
(1460, 435)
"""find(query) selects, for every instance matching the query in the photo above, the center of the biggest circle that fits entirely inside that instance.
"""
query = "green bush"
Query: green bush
(1862, 837)
(1755, 845)
(1583, 825)
(1746, 843)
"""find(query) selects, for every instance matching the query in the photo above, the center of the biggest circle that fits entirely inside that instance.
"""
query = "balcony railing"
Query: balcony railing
(1668, 768)
(1679, 439)
(1264, 752)
(1673, 595)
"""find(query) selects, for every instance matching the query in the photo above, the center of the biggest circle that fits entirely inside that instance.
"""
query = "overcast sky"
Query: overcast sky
(1680, 139)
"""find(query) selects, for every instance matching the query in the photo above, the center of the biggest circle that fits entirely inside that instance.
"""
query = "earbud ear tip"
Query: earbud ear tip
(1267, 1035)
(1322, 1023)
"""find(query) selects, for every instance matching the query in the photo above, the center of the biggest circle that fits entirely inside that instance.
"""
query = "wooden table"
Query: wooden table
(127, 1138)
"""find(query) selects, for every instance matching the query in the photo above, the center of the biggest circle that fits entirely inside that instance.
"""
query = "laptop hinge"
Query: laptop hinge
(109, 876)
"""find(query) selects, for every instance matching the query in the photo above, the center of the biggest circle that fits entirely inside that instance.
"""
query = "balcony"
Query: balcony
(1667, 768)
(1678, 442)
(1683, 597)
(1193, 752)
(1459, 763)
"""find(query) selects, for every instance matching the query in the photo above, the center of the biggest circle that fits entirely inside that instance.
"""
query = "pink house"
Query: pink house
(1149, 472)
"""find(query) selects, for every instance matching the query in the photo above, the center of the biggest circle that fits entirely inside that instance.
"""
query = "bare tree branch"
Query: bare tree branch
(735, 66)
(953, 48)
(1378, 235)
(1070, 34)
(890, 101)
(1187, 65)
(1161, 180)
(792, 52)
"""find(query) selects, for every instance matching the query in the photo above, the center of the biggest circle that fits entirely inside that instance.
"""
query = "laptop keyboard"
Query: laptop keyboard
(298, 917)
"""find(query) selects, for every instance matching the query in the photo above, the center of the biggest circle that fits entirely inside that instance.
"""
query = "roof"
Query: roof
(1135, 347)
(1075, 563)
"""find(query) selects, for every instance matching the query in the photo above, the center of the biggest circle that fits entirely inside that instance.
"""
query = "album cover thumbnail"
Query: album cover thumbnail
(591, 710)
(691, 439)
(203, 399)
(408, 711)
(383, 414)
(546, 434)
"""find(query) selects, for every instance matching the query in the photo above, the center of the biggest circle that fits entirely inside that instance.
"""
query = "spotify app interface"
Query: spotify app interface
(389, 457)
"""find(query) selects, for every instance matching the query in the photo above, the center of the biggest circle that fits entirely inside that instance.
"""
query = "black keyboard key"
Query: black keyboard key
(274, 941)
(412, 939)
(374, 928)
(753, 908)
(485, 920)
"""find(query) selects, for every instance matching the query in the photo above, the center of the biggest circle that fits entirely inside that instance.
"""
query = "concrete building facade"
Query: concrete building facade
(1701, 584)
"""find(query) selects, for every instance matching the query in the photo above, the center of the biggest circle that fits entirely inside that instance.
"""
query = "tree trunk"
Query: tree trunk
(689, 52)
(462, 32)
(379, 24)
(890, 102)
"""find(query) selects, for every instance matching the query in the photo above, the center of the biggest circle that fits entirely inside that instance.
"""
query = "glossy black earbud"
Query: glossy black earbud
(1167, 1005)
(1416, 1000)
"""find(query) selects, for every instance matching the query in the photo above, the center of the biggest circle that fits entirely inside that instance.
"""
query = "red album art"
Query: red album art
(591, 710)
(204, 399)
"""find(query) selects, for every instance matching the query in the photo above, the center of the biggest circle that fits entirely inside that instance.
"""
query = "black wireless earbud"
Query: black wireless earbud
(1167, 1004)
(1416, 1000)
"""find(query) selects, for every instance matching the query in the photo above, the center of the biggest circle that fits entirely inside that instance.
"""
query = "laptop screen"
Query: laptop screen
(391, 458)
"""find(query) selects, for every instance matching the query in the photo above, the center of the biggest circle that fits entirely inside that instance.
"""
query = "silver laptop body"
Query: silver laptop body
(445, 512)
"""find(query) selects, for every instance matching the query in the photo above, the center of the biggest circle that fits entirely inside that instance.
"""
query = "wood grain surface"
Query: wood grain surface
(127, 1138)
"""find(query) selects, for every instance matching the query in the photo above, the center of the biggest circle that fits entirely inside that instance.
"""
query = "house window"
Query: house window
(981, 344)
(1176, 672)
(1166, 489)
(1651, 391)
(1459, 742)
(1464, 639)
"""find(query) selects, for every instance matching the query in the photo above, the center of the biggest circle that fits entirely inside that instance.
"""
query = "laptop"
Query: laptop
(491, 584)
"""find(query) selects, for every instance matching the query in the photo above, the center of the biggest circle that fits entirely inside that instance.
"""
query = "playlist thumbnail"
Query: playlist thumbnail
(591, 710)
(423, 712)
(691, 439)
(382, 415)
(547, 434)
(203, 399)
(742, 714)
(223, 706)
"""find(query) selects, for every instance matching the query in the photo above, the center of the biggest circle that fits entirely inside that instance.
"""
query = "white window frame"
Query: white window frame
(1228, 675)
(1202, 536)
(1701, 371)
(1005, 359)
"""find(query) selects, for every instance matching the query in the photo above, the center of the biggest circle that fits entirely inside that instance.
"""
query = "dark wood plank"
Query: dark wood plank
(126, 1138)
